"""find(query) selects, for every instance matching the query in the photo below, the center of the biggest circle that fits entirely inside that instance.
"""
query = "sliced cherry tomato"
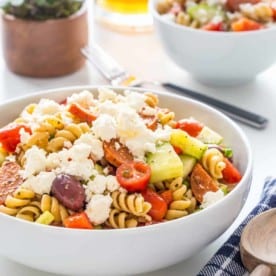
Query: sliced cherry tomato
(82, 113)
(116, 153)
(233, 5)
(133, 176)
(213, 27)
(191, 126)
(10, 136)
(79, 220)
(245, 24)
(167, 196)
(201, 182)
(159, 206)
(230, 173)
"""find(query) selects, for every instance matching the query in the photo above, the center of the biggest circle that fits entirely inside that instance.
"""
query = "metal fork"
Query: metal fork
(118, 76)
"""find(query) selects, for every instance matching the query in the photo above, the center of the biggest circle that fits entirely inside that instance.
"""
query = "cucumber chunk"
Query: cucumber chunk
(188, 144)
(188, 164)
(209, 136)
(164, 163)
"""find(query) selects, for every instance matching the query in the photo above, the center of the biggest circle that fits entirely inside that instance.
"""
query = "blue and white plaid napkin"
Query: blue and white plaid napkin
(227, 260)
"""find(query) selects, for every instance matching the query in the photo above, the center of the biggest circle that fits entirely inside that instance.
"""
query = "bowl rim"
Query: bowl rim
(157, 16)
(172, 223)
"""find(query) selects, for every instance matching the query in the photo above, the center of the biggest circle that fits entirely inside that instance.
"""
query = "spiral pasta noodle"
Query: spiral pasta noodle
(51, 204)
(131, 203)
(119, 219)
(212, 161)
(69, 133)
(151, 100)
(19, 199)
(165, 116)
(180, 204)
(260, 11)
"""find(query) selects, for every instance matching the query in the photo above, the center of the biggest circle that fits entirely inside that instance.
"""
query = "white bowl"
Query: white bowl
(127, 251)
(216, 58)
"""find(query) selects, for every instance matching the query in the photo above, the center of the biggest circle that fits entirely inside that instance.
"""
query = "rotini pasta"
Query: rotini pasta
(13, 203)
(133, 203)
(51, 204)
(119, 219)
(69, 133)
(180, 204)
(212, 161)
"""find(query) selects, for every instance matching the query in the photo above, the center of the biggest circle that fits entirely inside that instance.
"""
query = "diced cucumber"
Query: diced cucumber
(188, 144)
(45, 218)
(188, 164)
(204, 13)
(164, 163)
(209, 136)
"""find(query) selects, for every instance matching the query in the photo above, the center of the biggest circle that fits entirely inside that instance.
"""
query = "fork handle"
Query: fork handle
(236, 113)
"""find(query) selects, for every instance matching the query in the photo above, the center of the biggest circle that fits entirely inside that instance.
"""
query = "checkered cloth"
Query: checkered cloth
(227, 260)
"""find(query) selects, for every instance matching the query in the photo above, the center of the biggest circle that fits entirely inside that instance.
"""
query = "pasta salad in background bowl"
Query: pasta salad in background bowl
(217, 42)
(119, 170)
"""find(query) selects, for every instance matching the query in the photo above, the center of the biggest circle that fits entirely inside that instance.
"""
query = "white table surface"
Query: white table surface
(143, 55)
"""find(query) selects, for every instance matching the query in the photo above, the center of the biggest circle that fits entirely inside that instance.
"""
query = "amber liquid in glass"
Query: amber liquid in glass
(125, 6)
(124, 15)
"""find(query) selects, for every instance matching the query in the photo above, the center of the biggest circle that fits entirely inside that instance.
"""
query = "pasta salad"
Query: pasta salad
(220, 15)
(110, 161)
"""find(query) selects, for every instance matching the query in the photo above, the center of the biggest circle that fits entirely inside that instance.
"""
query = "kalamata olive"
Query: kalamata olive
(68, 191)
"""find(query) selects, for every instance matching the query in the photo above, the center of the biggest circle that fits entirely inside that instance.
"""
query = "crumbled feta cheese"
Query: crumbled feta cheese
(46, 107)
(210, 198)
(104, 127)
(217, 19)
(96, 146)
(41, 183)
(52, 161)
(112, 183)
(24, 135)
(106, 93)
(135, 100)
(95, 186)
(98, 208)
(35, 161)
(83, 169)
(163, 133)
(149, 111)
(84, 98)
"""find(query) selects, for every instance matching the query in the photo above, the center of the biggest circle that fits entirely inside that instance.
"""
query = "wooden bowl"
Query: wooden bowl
(47, 48)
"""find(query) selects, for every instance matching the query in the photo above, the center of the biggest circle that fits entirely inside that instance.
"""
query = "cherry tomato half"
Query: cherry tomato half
(159, 206)
(191, 126)
(10, 136)
(133, 176)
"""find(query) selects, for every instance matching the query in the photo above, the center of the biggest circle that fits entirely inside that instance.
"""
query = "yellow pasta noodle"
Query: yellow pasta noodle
(180, 204)
(13, 203)
(151, 99)
(70, 133)
(51, 204)
(212, 161)
(131, 203)
(119, 219)
(259, 12)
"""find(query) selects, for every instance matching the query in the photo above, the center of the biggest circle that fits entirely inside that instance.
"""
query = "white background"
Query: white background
(143, 56)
